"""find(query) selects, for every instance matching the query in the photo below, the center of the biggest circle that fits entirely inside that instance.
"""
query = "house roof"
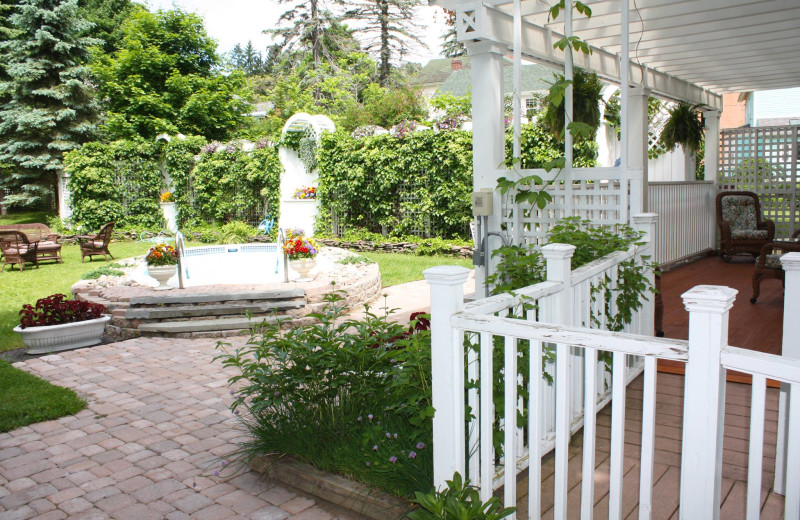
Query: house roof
(685, 49)
(534, 78)
(438, 70)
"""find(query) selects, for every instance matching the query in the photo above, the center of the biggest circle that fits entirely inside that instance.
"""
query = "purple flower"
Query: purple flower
(236, 412)
(370, 416)
(395, 435)
(360, 419)
(232, 392)
(223, 463)
(420, 445)
(392, 459)
(412, 455)
(375, 448)
(369, 464)
(216, 473)
(388, 435)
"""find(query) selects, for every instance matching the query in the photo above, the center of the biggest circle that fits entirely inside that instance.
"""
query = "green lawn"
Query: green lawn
(26, 399)
(19, 288)
(397, 268)
(26, 217)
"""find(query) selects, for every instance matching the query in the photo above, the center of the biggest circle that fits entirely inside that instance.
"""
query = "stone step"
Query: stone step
(216, 296)
(190, 311)
(110, 305)
(220, 324)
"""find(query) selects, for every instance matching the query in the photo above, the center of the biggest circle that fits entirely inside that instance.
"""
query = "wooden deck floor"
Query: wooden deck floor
(755, 326)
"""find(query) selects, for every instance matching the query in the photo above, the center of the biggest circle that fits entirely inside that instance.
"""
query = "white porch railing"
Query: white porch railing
(686, 221)
(469, 448)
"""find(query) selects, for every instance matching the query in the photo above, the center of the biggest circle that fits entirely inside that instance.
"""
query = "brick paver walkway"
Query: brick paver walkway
(156, 429)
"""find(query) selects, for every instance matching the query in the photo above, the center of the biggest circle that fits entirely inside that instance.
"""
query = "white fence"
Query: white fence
(469, 448)
(686, 221)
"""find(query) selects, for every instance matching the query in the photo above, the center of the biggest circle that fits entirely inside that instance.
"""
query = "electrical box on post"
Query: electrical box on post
(481, 203)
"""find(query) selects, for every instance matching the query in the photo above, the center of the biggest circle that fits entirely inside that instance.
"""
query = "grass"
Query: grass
(26, 399)
(397, 268)
(19, 288)
(26, 217)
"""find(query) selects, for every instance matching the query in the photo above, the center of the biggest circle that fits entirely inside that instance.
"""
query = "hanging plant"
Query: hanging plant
(684, 127)
(586, 88)
(307, 151)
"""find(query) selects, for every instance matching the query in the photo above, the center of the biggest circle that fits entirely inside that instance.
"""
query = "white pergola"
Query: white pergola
(692, 50)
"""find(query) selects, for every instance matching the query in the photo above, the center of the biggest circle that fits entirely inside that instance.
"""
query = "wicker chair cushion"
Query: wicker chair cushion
(15, 250)
(94, 243)
(773, 261)
(749, 234)
(740, 212)
(49, 246)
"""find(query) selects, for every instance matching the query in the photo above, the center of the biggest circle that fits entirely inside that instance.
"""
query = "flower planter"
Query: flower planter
(162, 274)
(302, 266)
(54, 338)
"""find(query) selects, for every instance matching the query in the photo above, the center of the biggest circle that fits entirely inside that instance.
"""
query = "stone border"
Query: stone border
(336, 489)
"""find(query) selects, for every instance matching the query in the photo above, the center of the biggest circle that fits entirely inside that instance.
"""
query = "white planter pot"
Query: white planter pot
(54, 338)
(170, 212)
(302, 266)
(162, 274)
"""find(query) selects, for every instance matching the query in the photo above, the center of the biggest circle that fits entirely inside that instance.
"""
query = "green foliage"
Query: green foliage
(354, 260)
(49, 104)
(348, 396)
(108, 17)
(518, 267)
(684, 127)
(178, 156)
(119, 182)
(384, 107)
(103, 270)
(422, 182)
(165, 79)
(586, 87)
(237, 232)
(230, 182)
(539, 148)
(459, 501)
(25, 399)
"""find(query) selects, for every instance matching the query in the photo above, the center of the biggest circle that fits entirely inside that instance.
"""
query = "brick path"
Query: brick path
(156, 429)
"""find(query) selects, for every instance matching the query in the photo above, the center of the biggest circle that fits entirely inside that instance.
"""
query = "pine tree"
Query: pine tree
(451, 47)
(389, 31)
(50, 108)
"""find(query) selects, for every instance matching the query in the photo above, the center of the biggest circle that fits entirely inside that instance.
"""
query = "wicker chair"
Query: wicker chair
(92, 245)
(17, 249)
(741, 227)
(768, 263)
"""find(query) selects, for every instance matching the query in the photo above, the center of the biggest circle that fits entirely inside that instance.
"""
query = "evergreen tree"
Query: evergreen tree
(451, 47)
(308, 27)
(389, 31)
(50, 109)
(108, 17)
(247, 59)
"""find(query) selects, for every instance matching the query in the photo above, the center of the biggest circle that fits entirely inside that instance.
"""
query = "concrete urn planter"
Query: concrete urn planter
(303, 266)
(54, 338)
(162, 274)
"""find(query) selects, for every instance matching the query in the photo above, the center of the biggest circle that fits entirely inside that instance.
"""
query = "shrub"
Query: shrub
(237, 232)
(347, 396)
(56, 310)
(103, 270)
(459, 501)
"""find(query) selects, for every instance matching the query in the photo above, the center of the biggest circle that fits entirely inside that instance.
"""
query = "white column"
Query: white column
(704, 402)
(64, 208)
(488, 133)
(712, 166)
(559, 269)
(646, 223)
(790, 348)
(637, 147)
(447, 365)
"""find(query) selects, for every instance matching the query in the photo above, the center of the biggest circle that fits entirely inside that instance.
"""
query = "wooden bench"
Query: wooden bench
(48, 247)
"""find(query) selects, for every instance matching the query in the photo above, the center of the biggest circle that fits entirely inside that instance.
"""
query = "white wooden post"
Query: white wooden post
(559, 269)
(712, 166)
(637, 147)
(790, 348)
(646, 223)
(704, 401)
(447, 365)
(488, 133)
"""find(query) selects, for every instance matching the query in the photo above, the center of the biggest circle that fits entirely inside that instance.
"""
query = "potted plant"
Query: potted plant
(162, 264)
(56, 324)
(684, 127)
(301, 251)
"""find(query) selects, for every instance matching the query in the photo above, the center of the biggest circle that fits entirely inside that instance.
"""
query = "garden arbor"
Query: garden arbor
(686, 50)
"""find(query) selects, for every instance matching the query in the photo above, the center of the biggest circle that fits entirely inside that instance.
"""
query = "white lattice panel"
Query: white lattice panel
(602, 201)
(765, 161)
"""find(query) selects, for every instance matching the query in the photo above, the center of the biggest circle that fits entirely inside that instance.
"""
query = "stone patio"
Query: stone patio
(156, 430)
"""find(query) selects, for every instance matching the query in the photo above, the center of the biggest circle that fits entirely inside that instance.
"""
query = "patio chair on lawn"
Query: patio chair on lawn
(742, 230)
(17, 249)
(92, 245)
(768, 263)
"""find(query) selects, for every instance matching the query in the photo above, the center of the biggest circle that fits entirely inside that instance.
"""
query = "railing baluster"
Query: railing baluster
(510, 415)
(617, 437)
(487, 417)
(792, 504)
(473, 431)
(589, 423)
(756, 448)
(562, 385)
(535, 431)
(648, 439)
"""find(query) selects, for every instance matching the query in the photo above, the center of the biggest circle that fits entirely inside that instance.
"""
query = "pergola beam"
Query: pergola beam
(478, 21)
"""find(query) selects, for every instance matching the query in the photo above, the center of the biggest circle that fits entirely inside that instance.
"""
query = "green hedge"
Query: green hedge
(122, 181)
(119, 181)
(419, 185)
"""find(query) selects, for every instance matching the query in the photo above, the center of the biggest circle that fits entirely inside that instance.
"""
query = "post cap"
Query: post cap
(791, 261)
(715, 299)
(556, 251)
(446, 275)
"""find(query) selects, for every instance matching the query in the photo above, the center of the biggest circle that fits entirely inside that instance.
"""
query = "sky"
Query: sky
(237, 21)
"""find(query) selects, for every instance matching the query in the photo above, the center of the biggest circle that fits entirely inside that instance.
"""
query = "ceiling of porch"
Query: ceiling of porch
(719, 45)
